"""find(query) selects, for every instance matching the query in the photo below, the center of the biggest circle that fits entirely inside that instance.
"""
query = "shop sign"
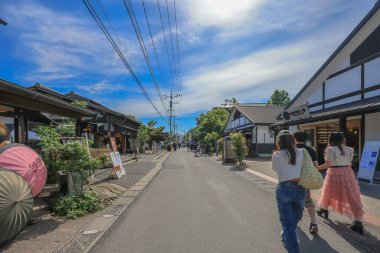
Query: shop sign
(368, 160)
(295, 113)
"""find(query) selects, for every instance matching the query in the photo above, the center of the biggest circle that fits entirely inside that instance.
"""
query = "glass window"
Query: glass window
(309, 137)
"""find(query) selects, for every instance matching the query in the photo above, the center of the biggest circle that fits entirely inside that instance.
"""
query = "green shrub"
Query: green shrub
(238, 143)
(105, 161)
(73, 206)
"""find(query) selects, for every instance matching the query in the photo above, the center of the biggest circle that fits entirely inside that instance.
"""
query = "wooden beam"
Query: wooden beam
(30, 104)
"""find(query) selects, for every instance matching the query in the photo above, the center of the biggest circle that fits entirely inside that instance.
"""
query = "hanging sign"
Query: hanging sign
(368, 160)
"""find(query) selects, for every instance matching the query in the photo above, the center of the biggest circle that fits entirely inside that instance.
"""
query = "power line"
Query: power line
(143, 47)
(154, 45)
(166, 43)
(114, 31)
(171, 40)
(176, 34)
(104, 29)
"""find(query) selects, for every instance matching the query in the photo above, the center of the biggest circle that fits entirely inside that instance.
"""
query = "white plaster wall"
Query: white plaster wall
(316, 108)
(372, 131)
(372, 94)
(372, 73)
(263, 135)
(342, 84)
(317, 95)
(340, 59)
(344, 65)
(343, 101)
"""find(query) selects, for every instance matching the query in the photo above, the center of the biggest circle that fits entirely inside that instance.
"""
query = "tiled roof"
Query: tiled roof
(260, 113)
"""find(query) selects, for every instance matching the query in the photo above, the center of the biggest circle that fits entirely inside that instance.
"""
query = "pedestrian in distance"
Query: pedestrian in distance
(287, 161)
(300, 138)
(340, 190)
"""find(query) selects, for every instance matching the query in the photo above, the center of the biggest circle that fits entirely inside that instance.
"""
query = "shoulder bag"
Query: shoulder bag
(310, 177)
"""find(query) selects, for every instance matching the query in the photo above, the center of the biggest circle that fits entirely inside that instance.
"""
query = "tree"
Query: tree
(212, 122)
(232, 101)
(279, 97)
(143, 137)
(238, 144)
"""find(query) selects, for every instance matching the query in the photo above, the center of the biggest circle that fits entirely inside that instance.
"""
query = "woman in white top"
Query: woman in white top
(340, 190)
(287, 162)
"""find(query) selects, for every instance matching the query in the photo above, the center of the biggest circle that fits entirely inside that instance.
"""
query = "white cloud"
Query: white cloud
(221, 13)
(251, 78)
(101, 87)
(62, 45)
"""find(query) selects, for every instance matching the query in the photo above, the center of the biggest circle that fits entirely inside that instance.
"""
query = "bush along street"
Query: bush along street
(238, 144)
(76, 206)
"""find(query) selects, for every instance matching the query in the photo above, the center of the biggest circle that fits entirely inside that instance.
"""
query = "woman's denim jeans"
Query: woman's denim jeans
(290, 202)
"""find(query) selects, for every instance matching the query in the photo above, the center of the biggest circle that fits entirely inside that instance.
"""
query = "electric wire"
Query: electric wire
(124, 50)
(171, 41)
(104, 29)
(176, 34)
(154, 45)
(166, 44)
(136, 28)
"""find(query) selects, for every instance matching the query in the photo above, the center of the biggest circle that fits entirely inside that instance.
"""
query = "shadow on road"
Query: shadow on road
(316, 244)
(365, 243)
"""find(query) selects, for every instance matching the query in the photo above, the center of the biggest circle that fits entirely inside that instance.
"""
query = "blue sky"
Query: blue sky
(241, 48)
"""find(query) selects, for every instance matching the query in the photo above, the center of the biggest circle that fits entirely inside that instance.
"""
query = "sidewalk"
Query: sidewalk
(51, 232)
(260, 173)
(370, 194)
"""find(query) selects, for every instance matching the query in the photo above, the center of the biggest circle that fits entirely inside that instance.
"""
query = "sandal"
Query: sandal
(313, 229)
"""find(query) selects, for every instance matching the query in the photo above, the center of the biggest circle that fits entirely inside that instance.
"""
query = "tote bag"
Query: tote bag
(310, 177)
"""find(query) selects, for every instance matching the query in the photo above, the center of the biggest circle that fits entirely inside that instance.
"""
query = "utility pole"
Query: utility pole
(171, 97)
(174, 124)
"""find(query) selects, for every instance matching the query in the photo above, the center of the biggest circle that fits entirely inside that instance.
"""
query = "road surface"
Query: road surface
(196, 205)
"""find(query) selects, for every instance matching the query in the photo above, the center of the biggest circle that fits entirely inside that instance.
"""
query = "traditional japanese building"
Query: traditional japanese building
(107, 123)
(253, 120)
(23, 110)
(344, 94)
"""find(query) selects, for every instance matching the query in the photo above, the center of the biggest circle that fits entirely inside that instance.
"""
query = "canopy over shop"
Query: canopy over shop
(22, 110)
(343, 95)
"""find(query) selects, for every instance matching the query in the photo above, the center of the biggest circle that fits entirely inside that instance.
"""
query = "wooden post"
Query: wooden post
(20, 125)
(342, 124)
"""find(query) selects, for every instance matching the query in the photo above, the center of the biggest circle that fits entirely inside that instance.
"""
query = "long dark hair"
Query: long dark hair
(337, 139)
(285, 141)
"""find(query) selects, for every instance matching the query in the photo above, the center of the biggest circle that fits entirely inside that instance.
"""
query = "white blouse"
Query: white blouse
(334, 155)
(281, 164)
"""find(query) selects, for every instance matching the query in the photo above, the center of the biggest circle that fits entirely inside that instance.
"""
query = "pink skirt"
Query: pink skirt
(341, 193)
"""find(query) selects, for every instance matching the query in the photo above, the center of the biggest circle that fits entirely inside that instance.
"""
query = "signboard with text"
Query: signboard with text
(368, 160)
(116, 170)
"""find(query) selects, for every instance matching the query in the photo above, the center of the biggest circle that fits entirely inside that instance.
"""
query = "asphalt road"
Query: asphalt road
(196, 205)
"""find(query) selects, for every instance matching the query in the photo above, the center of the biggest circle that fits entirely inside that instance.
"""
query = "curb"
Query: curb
(86, 238)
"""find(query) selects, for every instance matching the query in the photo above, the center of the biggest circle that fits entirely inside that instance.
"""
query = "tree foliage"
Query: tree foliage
(239, 146)
(279, 97)
(145, 133)
(212, 123)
